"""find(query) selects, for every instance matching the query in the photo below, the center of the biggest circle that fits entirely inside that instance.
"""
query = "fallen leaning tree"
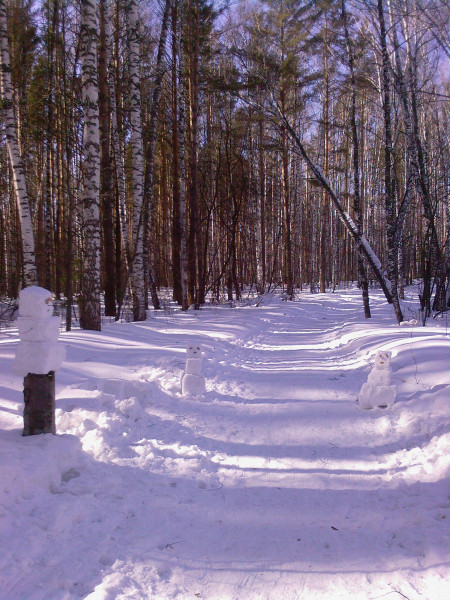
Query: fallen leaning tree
(361, 243)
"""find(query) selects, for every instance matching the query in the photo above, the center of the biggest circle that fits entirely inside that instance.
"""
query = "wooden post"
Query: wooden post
(39, 410)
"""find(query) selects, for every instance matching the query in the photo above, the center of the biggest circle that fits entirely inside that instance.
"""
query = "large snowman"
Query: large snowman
(38, 351)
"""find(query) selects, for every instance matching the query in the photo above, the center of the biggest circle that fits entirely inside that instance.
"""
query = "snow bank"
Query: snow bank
(278, 486)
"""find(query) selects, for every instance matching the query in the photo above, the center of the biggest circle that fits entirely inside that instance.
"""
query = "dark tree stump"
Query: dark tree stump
(39, 411)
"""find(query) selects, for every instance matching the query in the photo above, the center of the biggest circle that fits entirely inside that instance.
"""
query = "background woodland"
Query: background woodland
(211, 146)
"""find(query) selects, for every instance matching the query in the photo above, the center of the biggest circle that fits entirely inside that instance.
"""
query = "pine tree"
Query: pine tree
(356, 151)
(106, 171)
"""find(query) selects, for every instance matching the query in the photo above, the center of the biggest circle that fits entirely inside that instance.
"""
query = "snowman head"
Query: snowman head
(194, 351)
(35, 302)
(383, 359)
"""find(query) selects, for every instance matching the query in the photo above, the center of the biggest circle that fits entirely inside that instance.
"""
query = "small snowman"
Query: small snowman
(192, 381)
(377, 391)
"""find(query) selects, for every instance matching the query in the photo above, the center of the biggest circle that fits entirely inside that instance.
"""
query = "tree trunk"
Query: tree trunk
(436, 255)
(285, 188)
(195, 259)
(122, 238)
(137, 171)
(261, 225)
(106, 188)
(389, 190)
(288, 273)
(181, 103)
(67, 120)
(176, 223)
(324, 248)
(91, 167)
(39, 409)
(151, 140)
(20, 187)
(362, 275)
(49, 154)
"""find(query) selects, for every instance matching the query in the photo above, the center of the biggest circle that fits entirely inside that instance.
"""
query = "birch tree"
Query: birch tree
(137, 169)
(417, 155)
(16, 161)
(91, 167)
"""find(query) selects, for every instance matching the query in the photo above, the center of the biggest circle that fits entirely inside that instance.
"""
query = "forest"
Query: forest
(217, 146)
(234, 205)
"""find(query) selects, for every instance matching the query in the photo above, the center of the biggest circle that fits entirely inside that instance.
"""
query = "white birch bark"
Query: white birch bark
(12, 142)
(137, 150)
(91, 166)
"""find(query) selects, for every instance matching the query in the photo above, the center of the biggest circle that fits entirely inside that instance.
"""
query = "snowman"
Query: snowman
(37, 358)
(192, 381)
(38, 351)
(377, 391)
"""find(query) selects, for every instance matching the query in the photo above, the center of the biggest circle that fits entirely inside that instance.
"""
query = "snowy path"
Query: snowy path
(274, 486)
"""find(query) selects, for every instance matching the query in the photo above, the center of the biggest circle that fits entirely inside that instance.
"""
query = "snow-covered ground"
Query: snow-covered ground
(275, 485)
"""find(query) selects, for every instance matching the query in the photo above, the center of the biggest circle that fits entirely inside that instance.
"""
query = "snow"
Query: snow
(378, 395)
(193, 384)
(376, 261)
(38, 357)
(38, 330)
(273, 485)
(379, 377)
(193, 366)
(35, 302)
(352, 224)
(411, 323)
